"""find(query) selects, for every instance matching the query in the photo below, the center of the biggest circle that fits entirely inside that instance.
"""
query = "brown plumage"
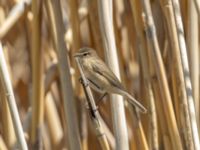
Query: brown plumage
(101, 78)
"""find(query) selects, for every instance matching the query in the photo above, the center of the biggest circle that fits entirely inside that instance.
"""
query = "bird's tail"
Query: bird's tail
(134, 102)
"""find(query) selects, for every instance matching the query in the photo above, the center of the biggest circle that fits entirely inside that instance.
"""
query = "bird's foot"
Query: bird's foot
(84, 83)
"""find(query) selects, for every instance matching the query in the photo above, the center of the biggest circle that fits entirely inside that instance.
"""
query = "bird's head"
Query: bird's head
(85, 53)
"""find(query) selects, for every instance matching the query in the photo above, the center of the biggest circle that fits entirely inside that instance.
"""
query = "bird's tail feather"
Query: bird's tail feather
(134, 102)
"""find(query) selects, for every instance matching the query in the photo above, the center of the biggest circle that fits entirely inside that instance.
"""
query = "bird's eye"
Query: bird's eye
(85, 54)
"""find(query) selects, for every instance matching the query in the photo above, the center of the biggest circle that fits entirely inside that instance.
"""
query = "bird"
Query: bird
(101, 78)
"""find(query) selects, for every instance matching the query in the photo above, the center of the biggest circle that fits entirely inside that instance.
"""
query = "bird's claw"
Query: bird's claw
(96, 109)
(80, 80)
(85, 83)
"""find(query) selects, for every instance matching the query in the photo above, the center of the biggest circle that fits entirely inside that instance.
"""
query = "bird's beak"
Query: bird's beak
(77, 55)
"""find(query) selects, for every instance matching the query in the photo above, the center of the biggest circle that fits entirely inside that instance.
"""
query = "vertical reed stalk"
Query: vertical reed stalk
(140, 138)
(94, 25)
(148, 90)
(76, 39)
(186, 71)
(193, 51)
(117, 105)
(84, 127)
(37, 76)
(75, 24)
(7, 125)
(53, 120)
(6, 83)
(162, 126)
(64, 70)
(160, 71)
(178, 73)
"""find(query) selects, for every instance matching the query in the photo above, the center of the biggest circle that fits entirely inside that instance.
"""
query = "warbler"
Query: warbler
(101, 78)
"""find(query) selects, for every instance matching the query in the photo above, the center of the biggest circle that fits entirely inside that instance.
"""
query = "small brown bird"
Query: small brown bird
(101, 78)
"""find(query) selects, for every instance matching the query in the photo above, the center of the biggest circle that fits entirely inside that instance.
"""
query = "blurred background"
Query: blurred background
(38, 37)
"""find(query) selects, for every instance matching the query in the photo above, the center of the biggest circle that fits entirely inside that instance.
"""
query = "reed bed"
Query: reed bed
(151, 45)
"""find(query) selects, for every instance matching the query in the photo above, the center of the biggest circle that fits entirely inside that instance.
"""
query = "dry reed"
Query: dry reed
(152, 46)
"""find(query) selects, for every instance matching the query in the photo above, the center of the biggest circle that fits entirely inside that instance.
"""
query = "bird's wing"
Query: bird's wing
(101, 68)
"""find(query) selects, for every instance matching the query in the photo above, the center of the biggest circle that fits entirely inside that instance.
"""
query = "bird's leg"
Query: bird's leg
(99, 100)
(80, 80)
(85, 84)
